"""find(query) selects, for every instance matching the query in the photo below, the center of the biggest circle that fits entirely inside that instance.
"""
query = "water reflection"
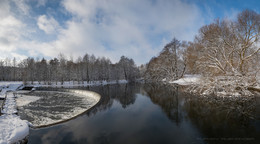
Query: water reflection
(167, 97)
(153, 113)
(125, 94)
(224, 118)
(217, 118)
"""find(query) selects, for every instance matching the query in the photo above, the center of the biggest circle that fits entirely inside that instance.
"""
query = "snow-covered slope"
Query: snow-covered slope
(187, 80)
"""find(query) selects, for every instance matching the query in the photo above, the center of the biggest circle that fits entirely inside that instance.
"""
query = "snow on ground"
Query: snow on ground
(65, 84)
(6, 83)
(9, 105)
(13, 129)
(187, 80)
(11, 86)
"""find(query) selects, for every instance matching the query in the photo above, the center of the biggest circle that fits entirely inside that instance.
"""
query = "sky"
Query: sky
(138, 29)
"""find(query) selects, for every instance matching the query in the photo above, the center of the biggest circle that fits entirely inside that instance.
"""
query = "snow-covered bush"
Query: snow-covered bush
(224, 86)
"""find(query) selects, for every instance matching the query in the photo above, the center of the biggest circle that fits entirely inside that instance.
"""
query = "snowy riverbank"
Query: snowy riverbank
(220, 86)
(13, 129)
(187, 80)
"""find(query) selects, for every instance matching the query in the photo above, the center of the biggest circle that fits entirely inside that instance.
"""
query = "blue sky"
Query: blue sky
(135, 28)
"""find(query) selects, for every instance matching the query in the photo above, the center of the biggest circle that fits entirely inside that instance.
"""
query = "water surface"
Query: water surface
(153, 114)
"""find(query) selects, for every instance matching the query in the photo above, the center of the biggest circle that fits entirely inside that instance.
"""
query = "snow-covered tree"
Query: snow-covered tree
(62, 68)
(53, 69)
(86, 67)
(168, 65)
(228, 54)
(128, 68)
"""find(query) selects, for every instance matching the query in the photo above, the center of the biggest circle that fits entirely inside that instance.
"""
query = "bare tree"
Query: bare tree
(86, 67)
(128, 68)
(62, 68)
(53, 70)
(168, 65)
(228, 50)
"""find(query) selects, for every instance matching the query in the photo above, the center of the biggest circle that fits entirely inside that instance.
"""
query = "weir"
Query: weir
(14, 129)
(54, 107)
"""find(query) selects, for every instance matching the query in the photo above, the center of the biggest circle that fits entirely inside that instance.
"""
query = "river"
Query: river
(157, 114)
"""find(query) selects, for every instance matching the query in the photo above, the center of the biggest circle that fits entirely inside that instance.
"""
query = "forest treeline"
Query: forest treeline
(89, 68)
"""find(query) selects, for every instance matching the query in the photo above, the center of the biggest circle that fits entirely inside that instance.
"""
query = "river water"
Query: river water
(157, 114)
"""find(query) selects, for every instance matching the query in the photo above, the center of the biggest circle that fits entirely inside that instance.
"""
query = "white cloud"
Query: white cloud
(41, 3)
(49, 26)
(126, 27)
(10, 28)
(10, 21)
(4, 8)
(110, 28)
(22, 6)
